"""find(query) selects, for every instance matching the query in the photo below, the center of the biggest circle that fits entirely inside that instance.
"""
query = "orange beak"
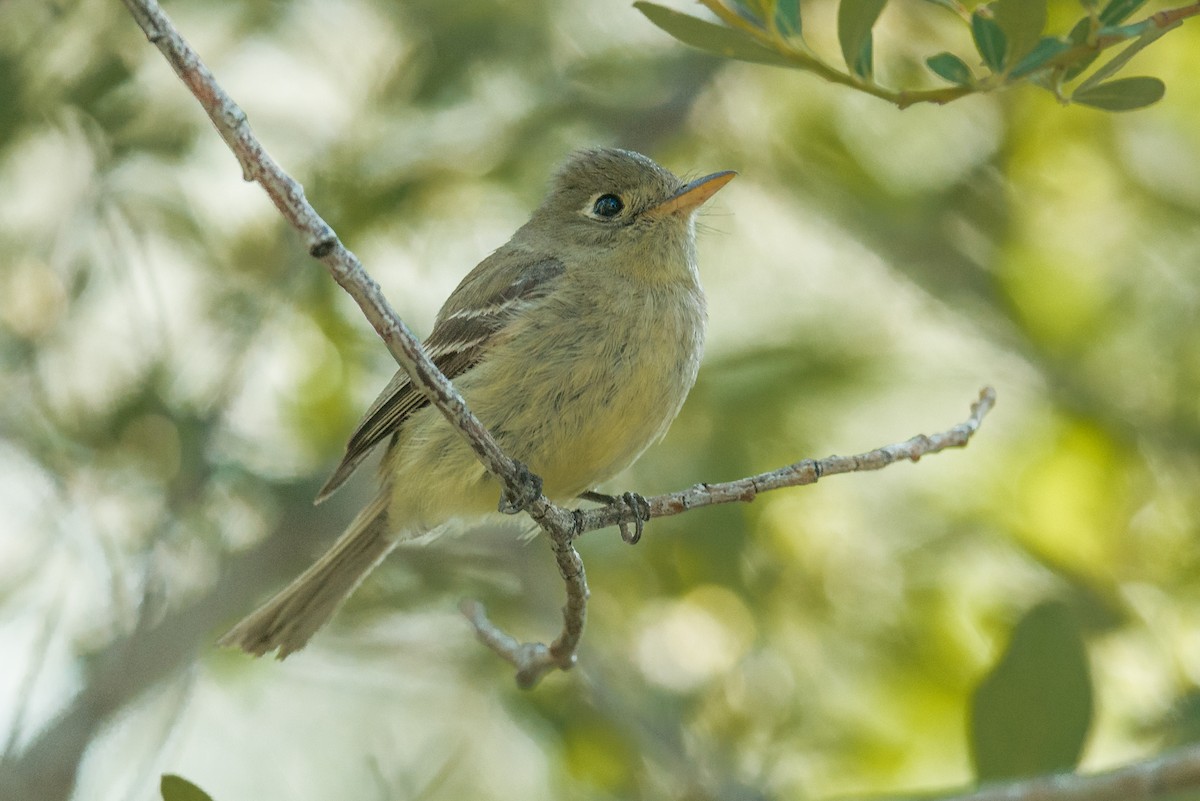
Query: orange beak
(692, 195)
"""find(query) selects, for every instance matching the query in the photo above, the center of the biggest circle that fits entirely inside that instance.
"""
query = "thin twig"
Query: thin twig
(808, 471)
(534, 660)
(323, 244)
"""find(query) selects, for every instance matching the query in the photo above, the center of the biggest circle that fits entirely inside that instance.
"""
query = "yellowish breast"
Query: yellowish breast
(576, 393)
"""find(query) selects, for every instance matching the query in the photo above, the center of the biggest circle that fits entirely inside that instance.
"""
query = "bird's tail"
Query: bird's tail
(288, 620)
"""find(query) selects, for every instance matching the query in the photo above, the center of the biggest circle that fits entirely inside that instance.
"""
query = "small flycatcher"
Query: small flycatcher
(575, 344)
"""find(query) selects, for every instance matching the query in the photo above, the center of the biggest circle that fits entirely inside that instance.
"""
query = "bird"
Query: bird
(575, 344)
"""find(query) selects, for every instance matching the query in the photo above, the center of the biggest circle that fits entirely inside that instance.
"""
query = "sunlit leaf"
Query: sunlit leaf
(989, 41)
(1040, 55)
(1123, 94)
(855, 20)
(950, 67)
(1117, 11)
(710, 37)
(1032, 713)
(787, 17)
(177, 788)
(1022, 22)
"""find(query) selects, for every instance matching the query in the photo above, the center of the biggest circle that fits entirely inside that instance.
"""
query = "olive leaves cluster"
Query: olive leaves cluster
(1010, 38)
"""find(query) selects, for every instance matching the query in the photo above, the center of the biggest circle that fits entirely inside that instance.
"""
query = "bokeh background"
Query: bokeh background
(178, 376)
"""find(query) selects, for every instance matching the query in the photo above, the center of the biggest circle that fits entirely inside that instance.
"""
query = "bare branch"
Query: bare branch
(323, 244)
(1163, 777)
(808, 471)
(533, 660)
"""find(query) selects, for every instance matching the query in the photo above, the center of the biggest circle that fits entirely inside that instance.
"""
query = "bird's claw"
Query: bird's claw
(636, 503)
(528, 489)
(641, 513)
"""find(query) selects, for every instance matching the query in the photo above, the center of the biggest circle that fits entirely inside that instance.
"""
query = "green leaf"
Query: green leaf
(1037, 58)
(855, 20)
(1022, 22)
(1123, 94)
(989, 41)
(709, 37)
(1117, 11)
(1129, 31)
(787, 17)
(864, 65)
(1118, 62)
(177, 788)
(1079, 35)
(950, 67)
(947, 4)
(1031, 714)
(750, 10)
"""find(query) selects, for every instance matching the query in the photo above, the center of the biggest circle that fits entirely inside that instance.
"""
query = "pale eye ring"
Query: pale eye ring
(607, 206)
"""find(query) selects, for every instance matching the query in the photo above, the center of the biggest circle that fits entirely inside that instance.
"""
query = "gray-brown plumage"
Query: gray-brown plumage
(575, 344)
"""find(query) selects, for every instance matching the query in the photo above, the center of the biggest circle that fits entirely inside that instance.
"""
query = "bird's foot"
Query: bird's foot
(528, 488)
(636, 503)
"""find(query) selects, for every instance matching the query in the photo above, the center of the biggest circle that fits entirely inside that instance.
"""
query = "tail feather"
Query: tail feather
(290, 619)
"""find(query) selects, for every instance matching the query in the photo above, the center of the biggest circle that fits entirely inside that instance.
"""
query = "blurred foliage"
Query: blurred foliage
(177, 788)
(1031, 714)
(1007, 35)
(178, 375)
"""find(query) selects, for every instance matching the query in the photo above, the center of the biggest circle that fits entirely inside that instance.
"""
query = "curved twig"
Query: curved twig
(533, 660)
(323, 244)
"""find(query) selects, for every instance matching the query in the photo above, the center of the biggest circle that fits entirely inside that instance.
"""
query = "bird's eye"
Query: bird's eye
(607, 206)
